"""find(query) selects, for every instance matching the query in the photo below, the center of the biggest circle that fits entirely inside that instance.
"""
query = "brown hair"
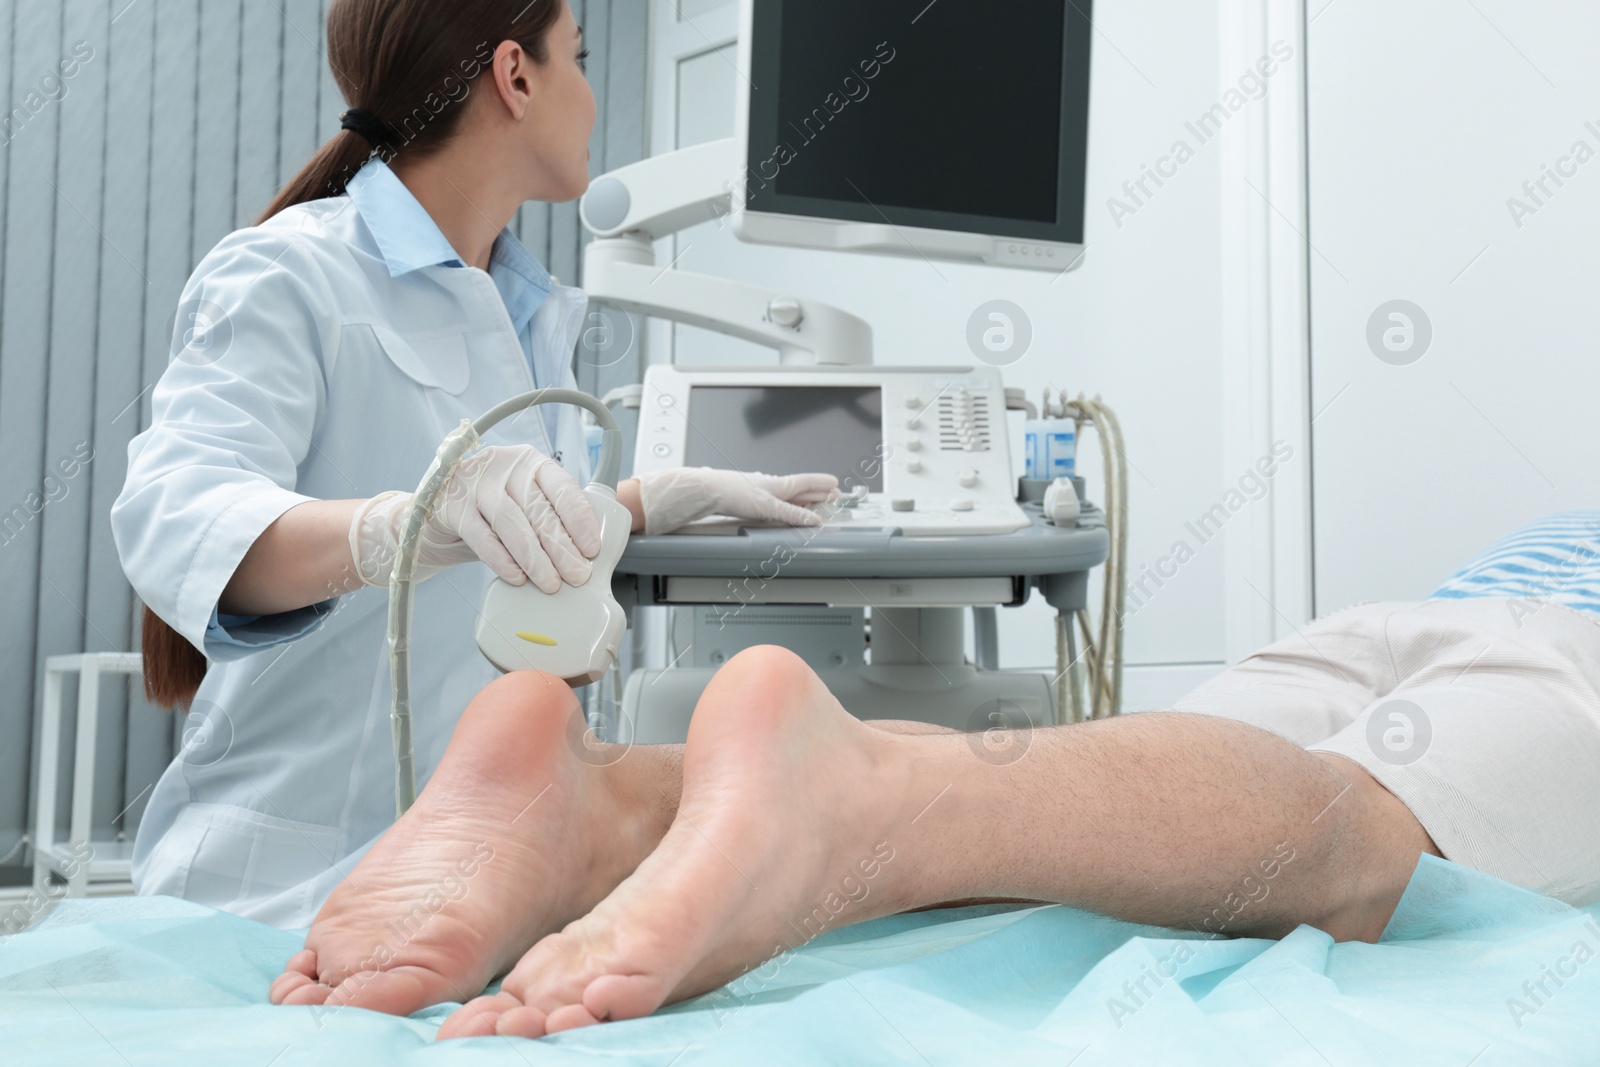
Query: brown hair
(410, 64)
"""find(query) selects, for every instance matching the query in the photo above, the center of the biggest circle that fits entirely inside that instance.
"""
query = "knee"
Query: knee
(1375, 845)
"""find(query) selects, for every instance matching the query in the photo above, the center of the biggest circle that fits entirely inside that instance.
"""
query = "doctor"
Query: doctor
(321, 357)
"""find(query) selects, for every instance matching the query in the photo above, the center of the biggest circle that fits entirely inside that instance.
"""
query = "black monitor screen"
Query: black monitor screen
(789, 429)
(963, 115)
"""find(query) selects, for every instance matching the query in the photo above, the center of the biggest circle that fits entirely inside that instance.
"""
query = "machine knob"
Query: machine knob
(914, 444)
(969, 478)
(914, 402)
(903, 504)
(914, 466)
(961, 504)
(913, 423)
(786, 311)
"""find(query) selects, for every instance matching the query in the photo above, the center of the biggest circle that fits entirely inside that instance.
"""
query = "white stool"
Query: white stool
(89, 868)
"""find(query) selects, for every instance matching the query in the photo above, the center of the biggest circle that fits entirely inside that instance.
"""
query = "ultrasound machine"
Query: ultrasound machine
(938, 522)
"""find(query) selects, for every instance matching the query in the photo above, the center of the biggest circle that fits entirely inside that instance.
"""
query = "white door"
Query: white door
(1455, 206)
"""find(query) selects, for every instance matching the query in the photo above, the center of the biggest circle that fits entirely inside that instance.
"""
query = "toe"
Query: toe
(401, 991)
(477, 1017)
(304, 961)
(306, 995)
(571, 1017)
(622, 996)
(522, 1022)
(287, 983)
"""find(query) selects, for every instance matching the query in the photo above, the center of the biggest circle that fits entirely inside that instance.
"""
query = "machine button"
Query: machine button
(969, 478)
(665, 400)
(913, 423)
(914, 402)
(903, 504)
(662, 450)
(914, 444)
(914, 466)
(961, 504)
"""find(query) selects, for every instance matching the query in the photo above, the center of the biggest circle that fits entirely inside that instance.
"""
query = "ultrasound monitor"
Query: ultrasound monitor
(955, 129)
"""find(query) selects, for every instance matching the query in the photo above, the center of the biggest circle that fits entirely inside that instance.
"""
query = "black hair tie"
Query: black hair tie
(366, 124)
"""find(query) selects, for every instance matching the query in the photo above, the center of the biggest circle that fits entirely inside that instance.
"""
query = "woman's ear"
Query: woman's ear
(514, 73)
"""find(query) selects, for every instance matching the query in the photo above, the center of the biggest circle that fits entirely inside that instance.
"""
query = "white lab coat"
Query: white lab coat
(320, 373)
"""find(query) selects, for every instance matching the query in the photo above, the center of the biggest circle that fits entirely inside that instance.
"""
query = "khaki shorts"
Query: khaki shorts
(1482, 716)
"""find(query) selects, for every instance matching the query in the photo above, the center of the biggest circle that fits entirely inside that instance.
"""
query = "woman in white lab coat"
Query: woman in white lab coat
(320, 358)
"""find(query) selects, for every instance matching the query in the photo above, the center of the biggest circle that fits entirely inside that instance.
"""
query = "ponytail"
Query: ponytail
(410, 64)
(328, 173)
(173, 668)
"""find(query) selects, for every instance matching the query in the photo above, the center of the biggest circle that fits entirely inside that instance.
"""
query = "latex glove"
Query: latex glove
(513, 507)
(673, 499)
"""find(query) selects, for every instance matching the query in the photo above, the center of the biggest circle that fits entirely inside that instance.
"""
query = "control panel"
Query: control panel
(924, 450)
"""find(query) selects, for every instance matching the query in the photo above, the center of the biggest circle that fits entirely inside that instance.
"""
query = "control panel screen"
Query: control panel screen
(789, 429)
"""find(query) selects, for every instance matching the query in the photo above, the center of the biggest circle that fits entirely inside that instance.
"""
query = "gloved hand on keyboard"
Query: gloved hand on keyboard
(673, 499)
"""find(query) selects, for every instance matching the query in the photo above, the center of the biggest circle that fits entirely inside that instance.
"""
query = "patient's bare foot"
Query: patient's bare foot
(787, 827)
(514, 836)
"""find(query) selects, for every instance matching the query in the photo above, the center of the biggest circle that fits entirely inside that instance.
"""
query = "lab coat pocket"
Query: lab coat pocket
(234, 859)
(436, 360)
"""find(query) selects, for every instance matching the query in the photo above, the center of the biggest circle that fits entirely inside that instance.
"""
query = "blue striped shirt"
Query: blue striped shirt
(1555, 559)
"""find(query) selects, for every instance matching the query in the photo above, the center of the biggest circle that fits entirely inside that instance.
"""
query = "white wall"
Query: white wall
(1140, 322)
(1425, 119)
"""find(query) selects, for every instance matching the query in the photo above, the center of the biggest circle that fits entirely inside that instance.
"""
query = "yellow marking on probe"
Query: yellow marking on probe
(537, 639)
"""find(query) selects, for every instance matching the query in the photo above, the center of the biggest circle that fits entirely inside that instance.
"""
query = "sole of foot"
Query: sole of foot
(516, 834)
(784, 796)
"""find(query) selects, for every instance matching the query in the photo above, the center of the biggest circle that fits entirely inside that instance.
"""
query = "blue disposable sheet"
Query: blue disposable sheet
(1470, 971)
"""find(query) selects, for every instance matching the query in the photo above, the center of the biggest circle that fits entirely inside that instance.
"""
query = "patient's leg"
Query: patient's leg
(521, 830)
(796, 818)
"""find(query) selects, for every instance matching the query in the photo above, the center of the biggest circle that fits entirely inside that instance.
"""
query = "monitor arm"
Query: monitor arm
(631, 208)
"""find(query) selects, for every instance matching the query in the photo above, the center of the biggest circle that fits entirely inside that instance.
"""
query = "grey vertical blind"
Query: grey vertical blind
(135, 134)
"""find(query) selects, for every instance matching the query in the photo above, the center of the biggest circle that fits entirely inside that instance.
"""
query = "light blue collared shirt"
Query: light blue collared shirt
(406, 238)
